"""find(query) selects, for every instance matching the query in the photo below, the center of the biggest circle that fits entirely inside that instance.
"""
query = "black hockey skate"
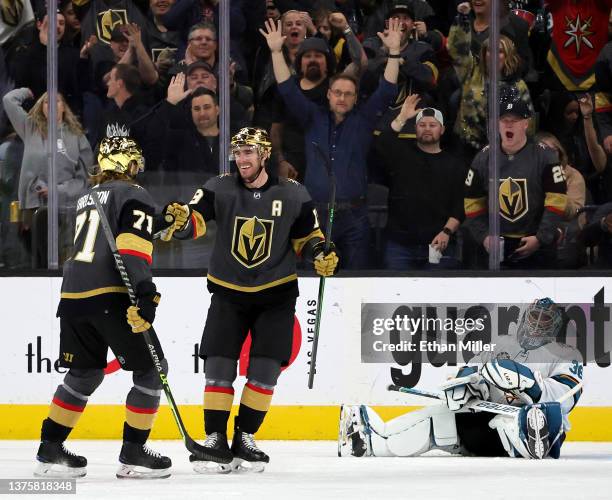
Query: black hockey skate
(54, 460)
(217, 458)
(538, 442)
(247, 456)
(138, 461)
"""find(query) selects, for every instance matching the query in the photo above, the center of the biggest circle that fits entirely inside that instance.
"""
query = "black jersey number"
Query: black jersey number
(86, 253)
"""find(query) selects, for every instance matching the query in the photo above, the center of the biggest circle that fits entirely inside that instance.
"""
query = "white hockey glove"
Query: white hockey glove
(467, 385)
(510, 376)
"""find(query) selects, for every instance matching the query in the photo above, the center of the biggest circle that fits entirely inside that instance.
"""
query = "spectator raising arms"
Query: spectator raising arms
(344, 133)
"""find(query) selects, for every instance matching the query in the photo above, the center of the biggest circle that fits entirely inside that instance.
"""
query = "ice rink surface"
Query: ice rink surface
(312, 470)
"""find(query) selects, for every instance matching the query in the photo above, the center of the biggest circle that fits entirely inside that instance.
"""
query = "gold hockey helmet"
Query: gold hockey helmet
(253, 136)
(117, 153)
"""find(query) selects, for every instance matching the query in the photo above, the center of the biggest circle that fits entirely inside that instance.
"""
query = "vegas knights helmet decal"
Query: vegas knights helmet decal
(513, 201)
(252, 240)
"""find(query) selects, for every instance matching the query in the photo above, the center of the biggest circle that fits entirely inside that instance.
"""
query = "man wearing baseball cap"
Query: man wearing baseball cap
(425, 192)
(532, 193)
(418, 69)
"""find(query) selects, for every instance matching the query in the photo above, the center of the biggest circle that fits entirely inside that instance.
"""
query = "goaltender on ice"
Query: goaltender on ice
(532, 371)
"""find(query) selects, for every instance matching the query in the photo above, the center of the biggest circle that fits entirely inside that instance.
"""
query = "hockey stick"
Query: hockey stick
(202, 453)
(331, 207)
(479, 404)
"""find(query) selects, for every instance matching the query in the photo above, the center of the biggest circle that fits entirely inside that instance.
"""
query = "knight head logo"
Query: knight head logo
(252, 240)
(11, 12)
(513, 202)
(107, 21)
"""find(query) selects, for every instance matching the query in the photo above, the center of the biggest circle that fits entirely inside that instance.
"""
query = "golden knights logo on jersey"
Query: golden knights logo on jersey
(252, 240)
(513, 200)
(107, 21)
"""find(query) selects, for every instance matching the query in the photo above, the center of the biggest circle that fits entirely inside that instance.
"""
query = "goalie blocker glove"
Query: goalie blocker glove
(325, 264)
(141, 316)
(510, 376)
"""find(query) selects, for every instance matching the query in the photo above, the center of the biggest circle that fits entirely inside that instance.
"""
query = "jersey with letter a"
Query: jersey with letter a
(91, 280)
(532, 194)
(259, 233)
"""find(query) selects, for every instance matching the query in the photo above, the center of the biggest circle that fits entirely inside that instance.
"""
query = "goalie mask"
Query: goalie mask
(117, 154)
(540, 324)
(252, 136)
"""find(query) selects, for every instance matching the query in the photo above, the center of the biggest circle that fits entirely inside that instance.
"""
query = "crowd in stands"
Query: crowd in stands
(392, 94)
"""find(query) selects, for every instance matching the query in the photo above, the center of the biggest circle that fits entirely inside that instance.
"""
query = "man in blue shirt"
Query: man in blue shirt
(344, 132)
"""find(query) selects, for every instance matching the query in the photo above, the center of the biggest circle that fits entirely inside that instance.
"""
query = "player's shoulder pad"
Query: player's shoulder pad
(564, 351)
(298, 191)
(219, 180)
(481, 160)
(130, 191)
(548, 154)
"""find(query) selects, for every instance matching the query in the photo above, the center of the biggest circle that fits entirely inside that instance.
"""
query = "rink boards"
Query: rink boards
(350, 367)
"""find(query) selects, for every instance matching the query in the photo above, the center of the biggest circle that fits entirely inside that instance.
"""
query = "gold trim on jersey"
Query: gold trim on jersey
(252, 289)
(433, 69)
(199, 224)
(475, 206)
(570, 85)
(129, 241)
(298, 243)
(94, 292)
(556, 202)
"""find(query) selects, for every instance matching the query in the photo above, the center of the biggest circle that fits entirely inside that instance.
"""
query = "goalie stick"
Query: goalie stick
(331, 206)
(200, 451)
(478, 404)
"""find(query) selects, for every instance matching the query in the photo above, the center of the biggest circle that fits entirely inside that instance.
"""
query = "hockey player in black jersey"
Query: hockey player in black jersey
(92, 314)
(264, 223)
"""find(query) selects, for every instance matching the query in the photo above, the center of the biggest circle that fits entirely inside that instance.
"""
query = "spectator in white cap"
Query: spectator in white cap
(425, 192)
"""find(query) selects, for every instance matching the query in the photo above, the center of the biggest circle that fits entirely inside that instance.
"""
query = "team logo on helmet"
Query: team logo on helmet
(513, 202)
(117, 153)
(106, 22)
(252, 240)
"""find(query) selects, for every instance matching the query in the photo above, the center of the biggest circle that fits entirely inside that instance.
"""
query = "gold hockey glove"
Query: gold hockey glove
(325, 265)
(178, 215)
(141, 316)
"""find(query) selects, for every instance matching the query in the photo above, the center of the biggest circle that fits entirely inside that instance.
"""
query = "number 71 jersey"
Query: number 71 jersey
(91, 281)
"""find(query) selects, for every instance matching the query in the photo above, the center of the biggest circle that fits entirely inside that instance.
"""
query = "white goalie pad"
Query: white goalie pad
(414, 433)
(509, 434)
